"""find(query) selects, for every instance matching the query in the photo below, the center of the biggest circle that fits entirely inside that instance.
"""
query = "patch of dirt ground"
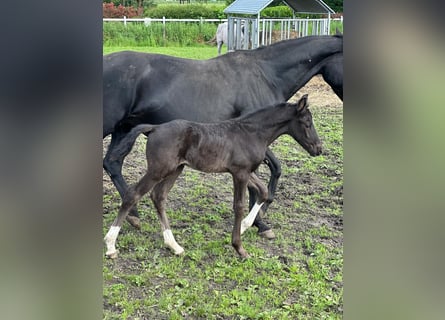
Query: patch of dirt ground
(320, 93)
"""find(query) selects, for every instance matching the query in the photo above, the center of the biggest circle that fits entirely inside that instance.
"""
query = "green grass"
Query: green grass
(204, 52)
(155, 34)
(298, 275)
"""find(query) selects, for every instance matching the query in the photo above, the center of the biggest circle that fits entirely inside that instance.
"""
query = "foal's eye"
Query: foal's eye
(307, 122)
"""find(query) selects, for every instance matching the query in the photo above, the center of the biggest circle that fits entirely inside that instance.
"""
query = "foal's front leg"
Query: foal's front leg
(275, 172)
(239, 187)
(255, 185)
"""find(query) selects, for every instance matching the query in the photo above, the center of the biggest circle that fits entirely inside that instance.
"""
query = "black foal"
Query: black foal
(237, 146)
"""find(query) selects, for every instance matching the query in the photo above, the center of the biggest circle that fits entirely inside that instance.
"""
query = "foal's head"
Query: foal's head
(302, 128)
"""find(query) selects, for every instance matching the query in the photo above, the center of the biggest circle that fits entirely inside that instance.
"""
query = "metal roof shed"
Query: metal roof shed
(238, 18)
(254, 7)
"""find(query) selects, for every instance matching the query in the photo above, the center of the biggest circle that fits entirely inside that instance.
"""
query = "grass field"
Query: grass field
(204, 52)
(298, 275)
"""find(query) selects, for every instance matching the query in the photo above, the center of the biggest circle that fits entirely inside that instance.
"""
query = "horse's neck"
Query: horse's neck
(269, 123)
(294, 65)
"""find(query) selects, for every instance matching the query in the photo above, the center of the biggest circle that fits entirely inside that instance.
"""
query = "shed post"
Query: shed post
(230, 34)
(238, 34)
(329, 24)
(257, 32)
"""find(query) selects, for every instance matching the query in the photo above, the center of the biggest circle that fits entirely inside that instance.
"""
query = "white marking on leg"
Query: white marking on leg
(248, 221)
(170, 242)
(110, 240)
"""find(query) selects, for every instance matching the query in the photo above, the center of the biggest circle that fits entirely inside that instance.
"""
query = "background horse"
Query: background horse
(145, 88)
(222, 34)
(236, 146)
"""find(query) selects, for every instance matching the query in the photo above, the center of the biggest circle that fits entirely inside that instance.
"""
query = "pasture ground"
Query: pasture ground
(298, 275)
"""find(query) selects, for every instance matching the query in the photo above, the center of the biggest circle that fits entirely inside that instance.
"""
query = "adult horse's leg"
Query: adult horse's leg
(275, 172)
(239, 193)
(112, 164)
(130, 199)
(159, 198)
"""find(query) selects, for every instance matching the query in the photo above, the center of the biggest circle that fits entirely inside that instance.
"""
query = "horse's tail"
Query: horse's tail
(126, 144)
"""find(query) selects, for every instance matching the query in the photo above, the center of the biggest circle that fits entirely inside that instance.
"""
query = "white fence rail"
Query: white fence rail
(269, 31)
(272, 30)
(164, 20)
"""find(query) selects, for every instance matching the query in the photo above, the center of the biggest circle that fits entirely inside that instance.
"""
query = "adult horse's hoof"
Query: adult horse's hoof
(134, 221)
(268, 234)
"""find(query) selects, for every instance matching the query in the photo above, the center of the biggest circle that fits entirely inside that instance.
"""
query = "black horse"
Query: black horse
(237, 146)
(332, 73)
(145, 88)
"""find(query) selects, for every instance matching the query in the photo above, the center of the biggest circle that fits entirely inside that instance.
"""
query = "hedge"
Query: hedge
(191, 11)
(196, 11)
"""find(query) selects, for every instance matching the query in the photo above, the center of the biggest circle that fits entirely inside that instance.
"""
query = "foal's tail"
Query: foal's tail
(126, 144)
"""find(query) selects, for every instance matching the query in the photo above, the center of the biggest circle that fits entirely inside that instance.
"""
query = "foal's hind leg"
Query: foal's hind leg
(159, 197)
(113, 166)
(255, 185)
(130, 199)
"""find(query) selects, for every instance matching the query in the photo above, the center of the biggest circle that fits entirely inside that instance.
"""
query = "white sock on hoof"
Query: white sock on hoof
(170, 242)
(110, 240)
(248, 221)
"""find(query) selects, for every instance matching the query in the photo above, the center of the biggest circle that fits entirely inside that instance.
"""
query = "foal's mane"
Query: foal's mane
(266, 112)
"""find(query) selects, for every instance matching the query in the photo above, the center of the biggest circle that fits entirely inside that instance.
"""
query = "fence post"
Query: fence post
(163, 27)
(125, 21)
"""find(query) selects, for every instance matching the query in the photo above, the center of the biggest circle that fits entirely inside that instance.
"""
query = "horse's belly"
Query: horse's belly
(206, 162)
(207, 167)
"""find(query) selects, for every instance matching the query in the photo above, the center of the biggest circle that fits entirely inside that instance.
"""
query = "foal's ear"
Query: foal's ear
(302, 103)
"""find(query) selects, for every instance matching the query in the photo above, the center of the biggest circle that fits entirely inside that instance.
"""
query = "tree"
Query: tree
(336, 5)
(134, 3)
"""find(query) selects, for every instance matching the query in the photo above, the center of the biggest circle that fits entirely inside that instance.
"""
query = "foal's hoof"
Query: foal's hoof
(178, 251)
(112, 255)
(268, 234)
(243, 254)
(134, 221)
